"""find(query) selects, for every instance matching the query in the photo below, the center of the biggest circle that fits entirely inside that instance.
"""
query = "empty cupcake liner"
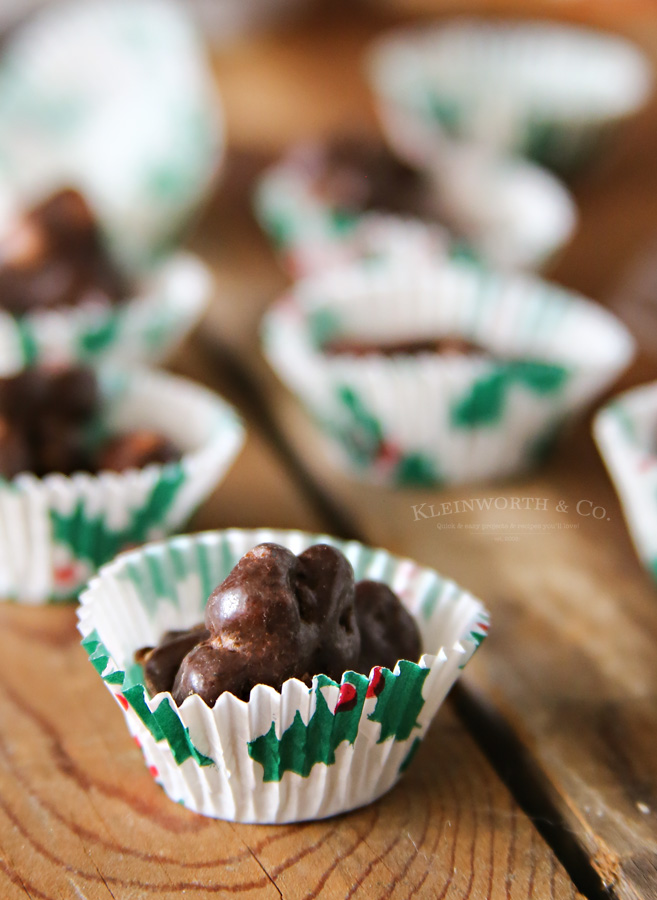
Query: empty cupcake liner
(506, 212)
(626, 434)
(303, 753)
(146, 328)
(55, 531)
(551, 92)
(116, 98)
(431, 419)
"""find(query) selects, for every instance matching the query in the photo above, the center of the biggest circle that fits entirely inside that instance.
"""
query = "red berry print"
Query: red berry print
(377, 683)
(347, 698)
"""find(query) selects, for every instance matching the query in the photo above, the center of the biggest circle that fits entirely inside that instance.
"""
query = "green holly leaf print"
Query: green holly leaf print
(542, 378)
(486, 401)
(416, 470)
(484, 404)
(89, 538)
(362, 432)
(301, 746)
(164, 724)
(98, 339)
(446, 112)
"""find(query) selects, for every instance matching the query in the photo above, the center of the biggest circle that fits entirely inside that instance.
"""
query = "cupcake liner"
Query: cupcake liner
(431, 419)
(551, 92)
(626, 434)
(55, 531)
(147, 327)
(303, 753)
(116, 99)
(509, 213)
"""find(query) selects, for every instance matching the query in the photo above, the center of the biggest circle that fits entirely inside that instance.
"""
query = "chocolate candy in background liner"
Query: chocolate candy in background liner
(15, 455)
(45, 411)
(360, 175)
(443, 346)
(136, 450)
(276, 616)
(388, 631)
(54, 256)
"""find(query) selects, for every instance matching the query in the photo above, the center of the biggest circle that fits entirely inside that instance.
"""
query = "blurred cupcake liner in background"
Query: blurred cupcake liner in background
(504, 211)
(117, 100)
(626, 434)
(145, 327)
(422, 417)
(552, 92)
(56, 530)
(351, 741)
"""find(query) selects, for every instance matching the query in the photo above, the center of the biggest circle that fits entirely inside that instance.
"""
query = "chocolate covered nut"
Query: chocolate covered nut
(136, 450)
(161, 663)
(14, 452)
(255, 612)
(326, 595)
(358, 174)
(72, 393)
(210, 670)
(276, 616)
(54, 256)
(388, 631)
(58, 445)
(444, 346)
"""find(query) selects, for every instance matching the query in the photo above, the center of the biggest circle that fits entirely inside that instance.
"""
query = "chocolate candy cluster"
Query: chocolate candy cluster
(46, 425)
(360, 175)
(279, 616)
(54, 256)
(443, 346)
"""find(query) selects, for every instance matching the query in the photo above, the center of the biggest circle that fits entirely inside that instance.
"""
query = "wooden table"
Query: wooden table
(539, 776)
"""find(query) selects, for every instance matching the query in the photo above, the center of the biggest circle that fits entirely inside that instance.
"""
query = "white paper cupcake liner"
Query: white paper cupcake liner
(550, 92)
(508, 212)
(430, 419)
(626, 434)
(114, 97)
(303, 753)
(146, 328)
(55, 531)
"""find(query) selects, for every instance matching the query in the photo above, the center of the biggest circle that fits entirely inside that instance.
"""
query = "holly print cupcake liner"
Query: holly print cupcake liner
(145, 328)
(303, 753)
(509, 212)
(56, 531)
(551, 92)
(626, 434)
(116, 99)
(428, 419)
